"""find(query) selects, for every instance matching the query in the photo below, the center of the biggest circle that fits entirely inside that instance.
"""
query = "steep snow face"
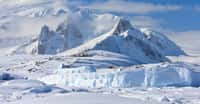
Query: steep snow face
(78, 28)
(123, 39)
(72, 35)
(127, 40)
(49, 42)
(122, 26)
(162, 43)
(85, 30)
(154, 75)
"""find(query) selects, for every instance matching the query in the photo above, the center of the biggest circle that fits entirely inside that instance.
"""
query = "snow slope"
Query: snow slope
(120, 39)
(122, 36)
(25, 87)
(74, 32)
(25, 70)
(79, 98)
(186, 95)
(80, 26)
(163, 44)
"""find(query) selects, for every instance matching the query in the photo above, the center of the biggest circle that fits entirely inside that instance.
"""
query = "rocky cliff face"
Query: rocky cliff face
(49, 42)
(72, 35)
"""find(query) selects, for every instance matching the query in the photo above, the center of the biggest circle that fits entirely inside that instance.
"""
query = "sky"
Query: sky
(179, 15)
(179, 19)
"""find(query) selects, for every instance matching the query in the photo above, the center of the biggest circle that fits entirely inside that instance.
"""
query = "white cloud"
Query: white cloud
(146, 21)
(188, 40)
(197, 8)
(132, 7)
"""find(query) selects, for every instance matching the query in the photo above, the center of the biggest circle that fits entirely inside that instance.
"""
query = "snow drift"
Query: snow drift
(27, 87)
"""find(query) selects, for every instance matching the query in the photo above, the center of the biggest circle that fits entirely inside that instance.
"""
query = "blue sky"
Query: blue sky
(178, 19)
(150, 1)
(177, 15)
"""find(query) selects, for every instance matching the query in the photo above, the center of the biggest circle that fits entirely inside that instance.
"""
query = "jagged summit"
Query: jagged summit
(121, 26)
(103, 32)
(44, 36)
(123, 39)
(73, 37)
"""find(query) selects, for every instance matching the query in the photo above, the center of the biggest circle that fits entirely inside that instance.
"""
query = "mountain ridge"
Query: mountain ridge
(123, 38)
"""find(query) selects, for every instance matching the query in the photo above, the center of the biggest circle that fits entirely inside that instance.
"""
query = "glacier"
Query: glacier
(155, 75)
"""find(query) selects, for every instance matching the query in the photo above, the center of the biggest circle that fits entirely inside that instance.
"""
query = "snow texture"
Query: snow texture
(177, 74)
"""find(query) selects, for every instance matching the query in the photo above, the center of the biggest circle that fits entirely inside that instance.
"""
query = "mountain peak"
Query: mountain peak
(80, 33)
(122, 25)
(44, 32)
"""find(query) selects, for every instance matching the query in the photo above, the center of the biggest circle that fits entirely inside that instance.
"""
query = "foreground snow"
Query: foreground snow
(81, 98)
(116, 96)
(20, 74)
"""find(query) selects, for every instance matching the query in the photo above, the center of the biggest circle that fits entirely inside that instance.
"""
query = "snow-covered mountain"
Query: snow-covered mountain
(82, 25)
(60, 27)
(162, 43)
(123, 39)
(86, 30)
(65, 54)
(23, 19)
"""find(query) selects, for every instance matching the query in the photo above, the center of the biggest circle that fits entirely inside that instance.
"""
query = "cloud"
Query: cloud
(132, 7)
(146, 21)
(188, 40)
(197, 8)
